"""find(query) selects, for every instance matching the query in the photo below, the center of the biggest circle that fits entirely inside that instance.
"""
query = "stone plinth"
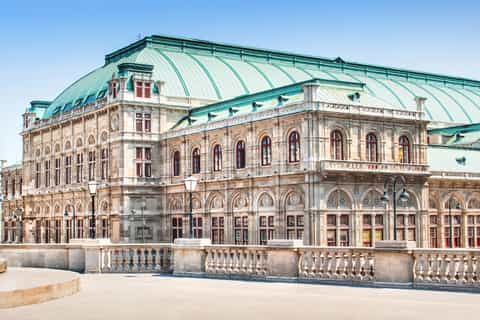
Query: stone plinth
(283, 257)
(23, 286)
(3, 265)
(189, 256)
(394, 261)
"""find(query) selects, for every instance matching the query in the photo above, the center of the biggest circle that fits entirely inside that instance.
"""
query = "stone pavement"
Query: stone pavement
(135, 297)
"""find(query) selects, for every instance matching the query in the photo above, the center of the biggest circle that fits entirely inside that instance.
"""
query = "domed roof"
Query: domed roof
(214, 72)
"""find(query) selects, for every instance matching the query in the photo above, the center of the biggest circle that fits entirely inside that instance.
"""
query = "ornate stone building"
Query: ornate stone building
(283, 145)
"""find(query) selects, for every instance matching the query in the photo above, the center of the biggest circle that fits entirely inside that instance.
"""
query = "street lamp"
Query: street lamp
(92, 188)
(392, 183)
(190, 185)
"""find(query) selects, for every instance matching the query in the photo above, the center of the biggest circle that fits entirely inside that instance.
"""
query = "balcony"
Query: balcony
(349, 166)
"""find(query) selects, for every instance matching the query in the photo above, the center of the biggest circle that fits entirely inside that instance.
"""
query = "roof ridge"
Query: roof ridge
(278, 55)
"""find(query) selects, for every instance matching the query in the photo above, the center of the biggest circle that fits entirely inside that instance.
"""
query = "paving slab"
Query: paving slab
(144, 296)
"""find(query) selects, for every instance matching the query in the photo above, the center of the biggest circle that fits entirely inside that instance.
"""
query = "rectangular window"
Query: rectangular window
(266, 229)
(331, 238)
(331, 220)
(433, 237)
(177, 228)
(197, 227)
(68, 169)
(57, 172)
(139, 122)
(147, 90)
(367, 238)
(114, 89)
(218, 233)
(367, 220)
(37, 174)
(147, 122)
(47, 173)
(13, 187)
(139, 89)
(295, 227)
(144, 162)
(241, 230)
(91, 165)
(79, 225)
(104, 164)
(105, 228)
(79, 167)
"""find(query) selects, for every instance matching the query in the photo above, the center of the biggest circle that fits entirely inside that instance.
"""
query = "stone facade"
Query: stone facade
(309, 170)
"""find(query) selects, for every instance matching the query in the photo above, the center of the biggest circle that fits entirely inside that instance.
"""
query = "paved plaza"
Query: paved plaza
(158, 297)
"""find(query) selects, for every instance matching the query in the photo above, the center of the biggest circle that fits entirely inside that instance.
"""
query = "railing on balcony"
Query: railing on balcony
(124, 258)
(454, 268)
(339, 264)
(236, 260)
(365, 166)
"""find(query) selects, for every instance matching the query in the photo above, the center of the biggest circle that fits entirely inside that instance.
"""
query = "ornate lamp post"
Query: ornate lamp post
(392, 184)
(190, 185)
(92, 188)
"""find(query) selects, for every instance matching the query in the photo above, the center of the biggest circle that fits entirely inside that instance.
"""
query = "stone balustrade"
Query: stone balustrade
(327, 263)
(365, 166)
(250, 261)
(446, 268)
(389, 264)
(125, 258)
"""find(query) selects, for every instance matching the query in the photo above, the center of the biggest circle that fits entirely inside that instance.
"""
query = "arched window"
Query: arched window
(196, 161)
(240, 150)
(176, 163)
(336, 145)
(294, 147)
(404, 149)
(217, 158)
(266, 151)
(372, 147)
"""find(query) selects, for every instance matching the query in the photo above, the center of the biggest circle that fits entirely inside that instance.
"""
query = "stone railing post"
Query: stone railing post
(189, 256)
(283, 258)
(394, 262)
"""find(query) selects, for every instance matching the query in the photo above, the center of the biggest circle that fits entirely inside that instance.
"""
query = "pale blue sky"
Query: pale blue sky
(46, 45)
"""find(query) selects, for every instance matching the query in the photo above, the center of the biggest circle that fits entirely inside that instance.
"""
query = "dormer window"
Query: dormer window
(114, 88)
(142, 89)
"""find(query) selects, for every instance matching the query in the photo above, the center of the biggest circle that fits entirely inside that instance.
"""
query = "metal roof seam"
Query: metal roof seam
(284, 72)
(177, 72)
(436, 99)
(260, 72)
(389, 90)
(455, 101)
(209, 76)
(465, 96)
(235, 73)
(412, 93)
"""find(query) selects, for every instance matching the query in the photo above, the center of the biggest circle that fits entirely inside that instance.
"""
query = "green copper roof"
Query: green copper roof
(453, 159)
(330, 91)
(215, 71)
